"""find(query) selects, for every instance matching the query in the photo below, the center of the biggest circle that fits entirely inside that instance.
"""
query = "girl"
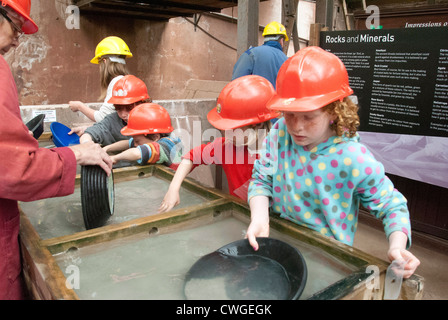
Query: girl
(241, 105)
(110, 54)
(314, 171)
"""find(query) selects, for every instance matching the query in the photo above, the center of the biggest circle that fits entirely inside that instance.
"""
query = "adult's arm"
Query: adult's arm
(28, 172)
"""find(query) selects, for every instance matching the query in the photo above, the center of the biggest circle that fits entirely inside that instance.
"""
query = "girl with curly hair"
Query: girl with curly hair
(314, 171)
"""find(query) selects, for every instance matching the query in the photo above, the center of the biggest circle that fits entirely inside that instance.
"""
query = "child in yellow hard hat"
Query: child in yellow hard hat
(151, 142)
(110, 54)
(240, 111)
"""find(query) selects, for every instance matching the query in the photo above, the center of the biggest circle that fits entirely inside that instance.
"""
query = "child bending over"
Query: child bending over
(241, 112)
(149, 126)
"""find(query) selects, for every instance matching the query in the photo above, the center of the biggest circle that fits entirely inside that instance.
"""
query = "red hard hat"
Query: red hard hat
(243, 102)
(148, 118)
(128, 90)
(23, 8)
(309, 80)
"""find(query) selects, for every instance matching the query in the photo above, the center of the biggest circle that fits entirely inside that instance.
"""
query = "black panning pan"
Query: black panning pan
(276, 271)
(97, 196)
(36, 125)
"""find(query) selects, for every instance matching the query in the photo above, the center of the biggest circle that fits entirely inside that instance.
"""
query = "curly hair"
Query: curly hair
(347, 119)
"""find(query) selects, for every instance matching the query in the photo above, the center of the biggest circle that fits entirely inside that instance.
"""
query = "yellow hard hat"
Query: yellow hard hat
(275, 28)
(111, 46)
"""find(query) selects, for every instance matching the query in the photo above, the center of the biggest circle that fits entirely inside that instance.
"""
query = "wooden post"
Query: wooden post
(324, 13)
(289, 16)
(247, 25)
(315, 30)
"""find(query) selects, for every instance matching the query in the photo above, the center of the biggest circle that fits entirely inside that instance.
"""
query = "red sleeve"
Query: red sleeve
(28, 172)
(210, 153)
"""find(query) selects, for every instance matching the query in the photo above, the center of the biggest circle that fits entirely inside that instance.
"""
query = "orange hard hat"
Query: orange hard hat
(243, 102)
(23, 8)
(148, 118)
(309, 80)
(129, 89)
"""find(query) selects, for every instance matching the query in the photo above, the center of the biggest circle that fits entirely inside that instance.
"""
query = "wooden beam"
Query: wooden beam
(315, 30)
(289, 16)
(324, 13)
(247, 25)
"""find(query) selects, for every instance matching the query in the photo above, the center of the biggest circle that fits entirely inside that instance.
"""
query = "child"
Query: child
(128, 92)
(314, 171)
(149, 126)
(110, 54)
(241, 105)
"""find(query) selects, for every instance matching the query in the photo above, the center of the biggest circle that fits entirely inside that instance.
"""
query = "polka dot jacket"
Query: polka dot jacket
(323, 188)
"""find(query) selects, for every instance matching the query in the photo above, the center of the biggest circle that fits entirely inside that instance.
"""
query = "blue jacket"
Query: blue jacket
(264, 60)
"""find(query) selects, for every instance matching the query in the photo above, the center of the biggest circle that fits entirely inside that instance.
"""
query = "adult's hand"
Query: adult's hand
(90, 153)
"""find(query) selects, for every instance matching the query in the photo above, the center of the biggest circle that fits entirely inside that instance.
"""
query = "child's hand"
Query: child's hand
(397, 251)
(171, 200)
(257, 228)
(114, 159)
(75, 105)
(78, 130)
(401, 254)
(259, 225)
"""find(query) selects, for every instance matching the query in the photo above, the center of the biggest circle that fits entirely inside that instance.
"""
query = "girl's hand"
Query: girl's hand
(75, 105)
(257, 228)
(397, 251)
(401, 254)
(259, 217)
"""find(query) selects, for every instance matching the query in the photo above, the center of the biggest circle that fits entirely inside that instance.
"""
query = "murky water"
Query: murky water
(155, 267)
(227, 277)
(62, 216)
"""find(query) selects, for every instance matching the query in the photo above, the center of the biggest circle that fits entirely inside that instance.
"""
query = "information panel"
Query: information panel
(400, 80)
(400, 77)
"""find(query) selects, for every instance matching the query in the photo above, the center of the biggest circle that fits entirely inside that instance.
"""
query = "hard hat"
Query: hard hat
(309, 80)
(148, 118)
(243, 102)
(275, 28)
(111, 46)
(23, 8)
(129, 89)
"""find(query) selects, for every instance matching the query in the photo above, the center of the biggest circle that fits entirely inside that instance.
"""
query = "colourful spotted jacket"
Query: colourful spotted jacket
(323, 188)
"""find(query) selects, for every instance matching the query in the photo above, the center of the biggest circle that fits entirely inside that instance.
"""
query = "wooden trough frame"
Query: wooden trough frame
(45, 280)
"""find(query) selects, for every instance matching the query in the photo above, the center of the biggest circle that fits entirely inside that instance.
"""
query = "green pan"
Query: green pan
(276, 271)
(97, 196)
